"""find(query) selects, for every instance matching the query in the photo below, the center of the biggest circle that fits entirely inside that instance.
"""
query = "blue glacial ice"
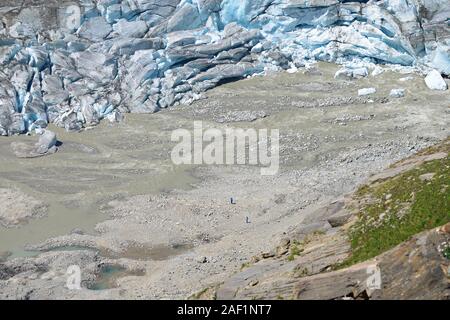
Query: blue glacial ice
(139, 56)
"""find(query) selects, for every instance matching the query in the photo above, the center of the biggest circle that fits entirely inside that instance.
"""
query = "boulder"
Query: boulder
(46, 145)
(366, 91)
(434, 81)
(349, 73)
(397, 93)
(47, 141)
(340, 219)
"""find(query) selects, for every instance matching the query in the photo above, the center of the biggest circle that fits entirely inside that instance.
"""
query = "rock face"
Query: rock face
(74, 62)
(314, 264)
(307, 278)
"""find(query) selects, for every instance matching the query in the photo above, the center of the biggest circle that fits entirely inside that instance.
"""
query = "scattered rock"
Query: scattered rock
(377, 71)
(241, 116)
(18, 207)
(360, 73)
(77, 231)
(446, 228)
(202, 260)
(397, 93)
(339, 220)
(366, 91)
(427, 176)
(348, 73)
(404, 79)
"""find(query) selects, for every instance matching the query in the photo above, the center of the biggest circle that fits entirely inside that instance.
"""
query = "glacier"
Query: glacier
(76, 62)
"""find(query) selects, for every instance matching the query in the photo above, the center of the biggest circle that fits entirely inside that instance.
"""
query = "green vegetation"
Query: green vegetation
(446, 252)
(295, 250)
(394, 210)
(245, 265)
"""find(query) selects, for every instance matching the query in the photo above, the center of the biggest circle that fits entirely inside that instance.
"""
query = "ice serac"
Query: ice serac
(435, 81)
(75, 62)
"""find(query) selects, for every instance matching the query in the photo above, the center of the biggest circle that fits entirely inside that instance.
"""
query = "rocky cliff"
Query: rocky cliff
(74, 63)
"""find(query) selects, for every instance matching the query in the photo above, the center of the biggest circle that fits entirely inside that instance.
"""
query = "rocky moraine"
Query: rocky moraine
(352, 86)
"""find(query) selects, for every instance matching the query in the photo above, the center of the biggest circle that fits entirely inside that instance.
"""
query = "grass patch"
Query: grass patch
(295, 250)
(398, 208)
